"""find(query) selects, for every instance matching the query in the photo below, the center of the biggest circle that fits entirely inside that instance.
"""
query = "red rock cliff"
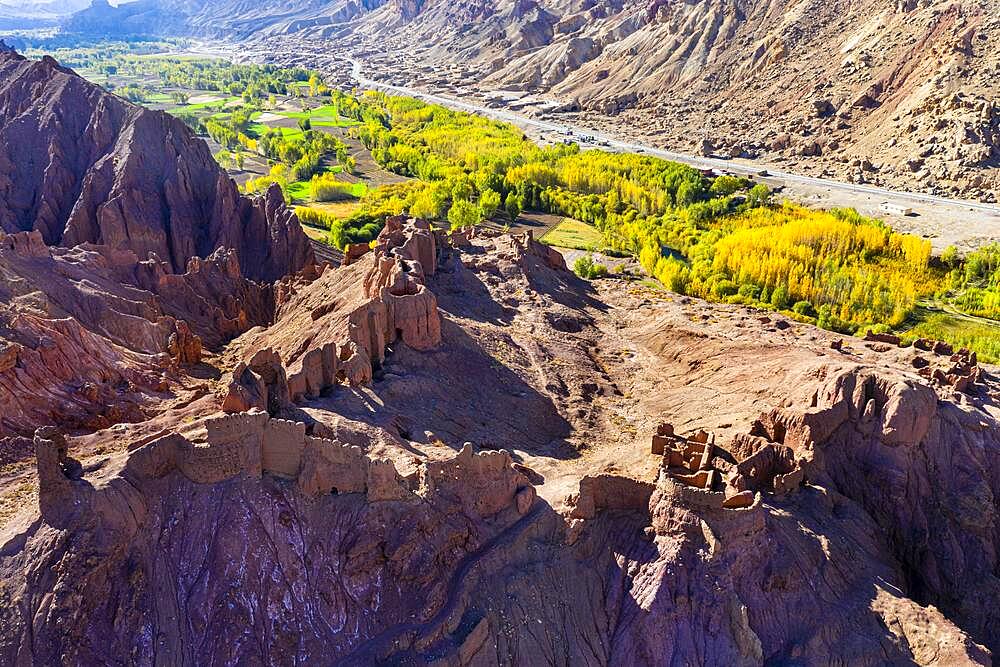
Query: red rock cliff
(81, 165)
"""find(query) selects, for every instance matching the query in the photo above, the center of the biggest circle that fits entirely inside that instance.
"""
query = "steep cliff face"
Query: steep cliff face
(124, 249)
(79, 166)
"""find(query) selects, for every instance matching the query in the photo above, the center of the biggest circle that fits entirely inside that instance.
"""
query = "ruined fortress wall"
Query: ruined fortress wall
(234, 446)
(394, 304)
(601, 492)
(282, 445)
(254, 444)
(698, 499)
(486, 482)
(332, 467)
(157, 458)
(317, 370)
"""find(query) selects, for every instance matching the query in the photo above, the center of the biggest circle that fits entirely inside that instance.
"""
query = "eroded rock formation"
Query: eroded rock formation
(346, 318)
(106, 172)
(124, 252)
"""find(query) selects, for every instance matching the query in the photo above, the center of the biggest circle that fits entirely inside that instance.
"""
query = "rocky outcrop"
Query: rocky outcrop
(110, 173)
(443, 556)
(55, 370)
(57, 501)
(125, 249)
(183, 346)
(898, 451)
(348, 317)
(89, 334)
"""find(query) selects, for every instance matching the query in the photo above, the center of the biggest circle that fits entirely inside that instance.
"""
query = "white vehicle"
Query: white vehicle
(895, 209)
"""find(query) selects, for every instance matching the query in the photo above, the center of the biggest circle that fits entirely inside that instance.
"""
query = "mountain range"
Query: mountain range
(41, 9)
(901, 94)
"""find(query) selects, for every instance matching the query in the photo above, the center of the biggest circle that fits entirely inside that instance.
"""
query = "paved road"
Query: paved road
(609, 142)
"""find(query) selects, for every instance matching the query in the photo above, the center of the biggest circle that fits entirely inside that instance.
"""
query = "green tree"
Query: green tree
(688, 193)
(462, 189)
(759, 195)
(586, 268)
(489, 202)
(425, 207)
(950, 257)
(725, 185)
(464, 214)
(513, 206)
(780, 298)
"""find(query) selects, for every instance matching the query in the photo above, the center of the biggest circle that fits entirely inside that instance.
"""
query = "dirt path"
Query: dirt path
(371, 652)
(936, 306)
(327, 253)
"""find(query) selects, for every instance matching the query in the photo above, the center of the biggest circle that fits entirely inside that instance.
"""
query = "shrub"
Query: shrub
(489, 202)
(464, 214)
(804, 308)
(725, 185)
(779, 297)
(513, 206)
(586, 268)
(326, 188)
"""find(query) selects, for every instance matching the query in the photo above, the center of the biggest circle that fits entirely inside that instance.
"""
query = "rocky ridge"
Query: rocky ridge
(124, 251)
(110, 173)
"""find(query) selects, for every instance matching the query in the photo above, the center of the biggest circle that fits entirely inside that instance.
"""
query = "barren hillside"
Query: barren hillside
(902, 94)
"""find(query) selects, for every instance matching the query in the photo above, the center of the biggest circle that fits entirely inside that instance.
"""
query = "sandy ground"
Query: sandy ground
(613, 263)
(268, 117)
(204, 99)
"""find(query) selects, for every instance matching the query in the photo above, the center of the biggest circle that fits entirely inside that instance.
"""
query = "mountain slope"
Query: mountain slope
(351, 526)
(124, 249)
(898, 94)
(904, 95)
(80, 165)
